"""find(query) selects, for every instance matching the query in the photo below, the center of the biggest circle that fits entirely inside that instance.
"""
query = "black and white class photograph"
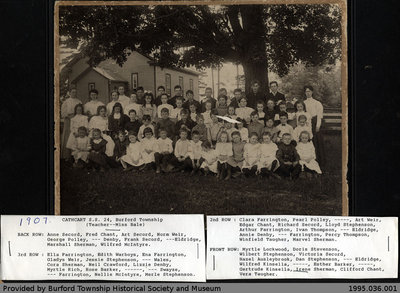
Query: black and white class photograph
(180, 108)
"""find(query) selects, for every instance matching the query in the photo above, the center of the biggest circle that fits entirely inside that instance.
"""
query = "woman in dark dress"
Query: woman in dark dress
(117, 120)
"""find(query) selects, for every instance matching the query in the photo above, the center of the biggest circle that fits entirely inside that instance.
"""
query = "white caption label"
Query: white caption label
(118, 247)
(263, 247)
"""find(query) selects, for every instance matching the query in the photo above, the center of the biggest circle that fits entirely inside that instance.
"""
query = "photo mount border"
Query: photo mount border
(344, 75)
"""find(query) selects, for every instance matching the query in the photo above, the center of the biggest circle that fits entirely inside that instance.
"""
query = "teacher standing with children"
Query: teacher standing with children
(316, 110)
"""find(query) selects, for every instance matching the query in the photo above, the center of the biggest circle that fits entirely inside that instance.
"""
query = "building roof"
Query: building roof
(108, 74)
(152, 62)
(103, 69)
(112, 76)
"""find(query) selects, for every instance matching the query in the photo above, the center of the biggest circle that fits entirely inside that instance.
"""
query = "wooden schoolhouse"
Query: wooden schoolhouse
(138, 70)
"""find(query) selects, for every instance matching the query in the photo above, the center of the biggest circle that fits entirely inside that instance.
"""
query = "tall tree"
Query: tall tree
(259, 37)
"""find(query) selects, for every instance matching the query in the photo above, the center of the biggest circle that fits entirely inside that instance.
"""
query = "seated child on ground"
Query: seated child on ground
(164, 153)
(288, 158)
(268, 163)
(81, 146)
(149, 147)
(120, 146)
(208, 158)
(195, 151)
(224, 151)
(181, 160)
(235, 162)
(305, 149)
(251, 155)
(133, 158)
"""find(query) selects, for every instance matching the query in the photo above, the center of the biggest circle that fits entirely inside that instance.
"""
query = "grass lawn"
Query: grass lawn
(117, 192)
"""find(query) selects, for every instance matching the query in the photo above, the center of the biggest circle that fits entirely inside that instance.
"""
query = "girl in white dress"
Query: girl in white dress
(268, 162)
(92, 106)
(81, 146)
(244, 132)
(306, 151)
(101, 122)
(146, 119)
(164, 104)
(77, 121)
(231, 112)
(252, 155)
(149, 148)
(223, 150)
(133, 105)
(291, 116)
(243, 111)
(175, 113)
(301, 126)
(67, 112)
(208, 159)
(228, 128)
(133, 156)
(148, 107)
(300, 109)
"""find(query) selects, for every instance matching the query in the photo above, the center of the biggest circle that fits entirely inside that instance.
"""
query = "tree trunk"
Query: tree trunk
(254, 51)
(255, 71)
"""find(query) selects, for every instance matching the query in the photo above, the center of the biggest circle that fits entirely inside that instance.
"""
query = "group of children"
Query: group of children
(213, 136)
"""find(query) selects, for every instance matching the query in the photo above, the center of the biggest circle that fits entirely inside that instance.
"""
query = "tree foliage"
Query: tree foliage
(326, 81)
(260, 37)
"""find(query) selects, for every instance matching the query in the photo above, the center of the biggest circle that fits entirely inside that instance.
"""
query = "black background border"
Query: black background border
(26, 111)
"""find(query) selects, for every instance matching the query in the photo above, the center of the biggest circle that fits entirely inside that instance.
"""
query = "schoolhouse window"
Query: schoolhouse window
(134, 80)
(168, 83)
(181, 82)
(91, 86)
(191, 84)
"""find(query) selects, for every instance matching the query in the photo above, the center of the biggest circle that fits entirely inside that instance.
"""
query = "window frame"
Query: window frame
(136, 75)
